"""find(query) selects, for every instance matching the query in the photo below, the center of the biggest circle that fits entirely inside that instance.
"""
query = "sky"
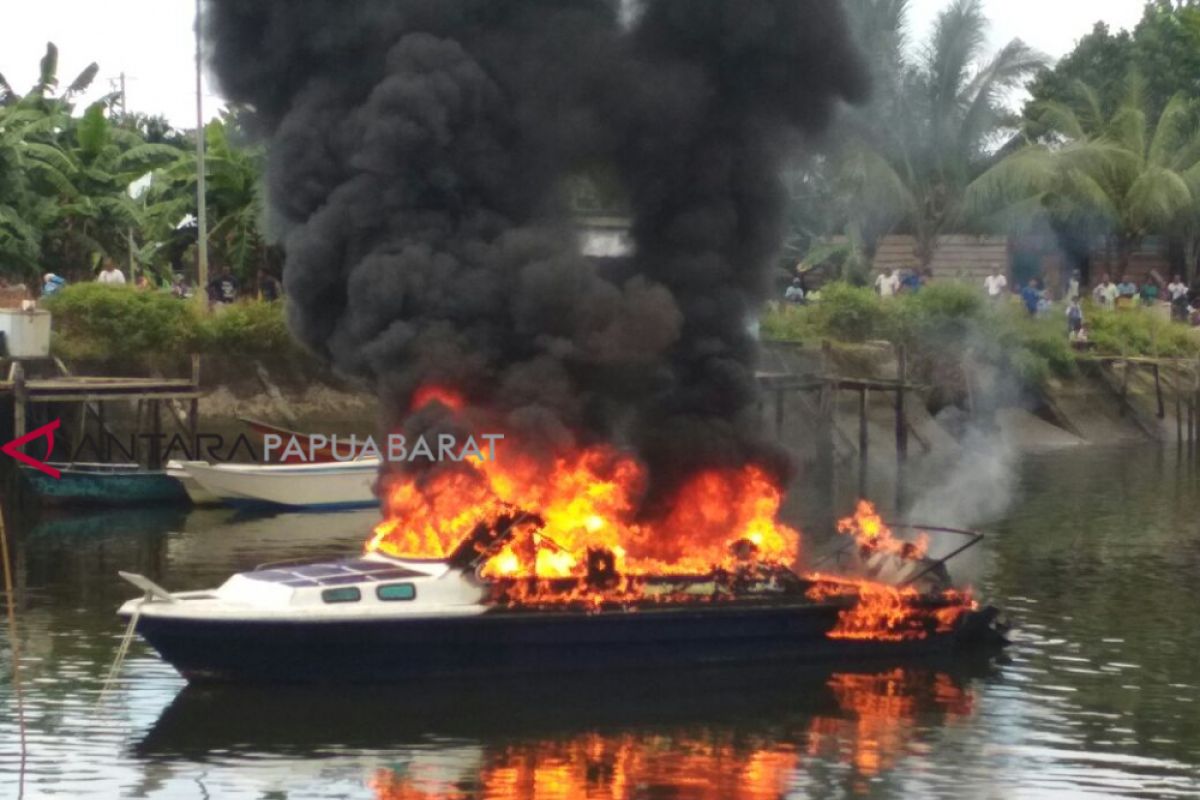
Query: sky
(151, 41)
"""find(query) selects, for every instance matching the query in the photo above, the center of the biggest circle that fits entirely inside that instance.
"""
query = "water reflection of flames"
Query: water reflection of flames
(883, 710)
(700, 766)
(870, 731)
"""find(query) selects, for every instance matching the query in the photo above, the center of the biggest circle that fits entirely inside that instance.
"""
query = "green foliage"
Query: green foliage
(248, 329)
(849, 313)
(946, 323)
(1140, 333)
(127, 329)
(121, 326)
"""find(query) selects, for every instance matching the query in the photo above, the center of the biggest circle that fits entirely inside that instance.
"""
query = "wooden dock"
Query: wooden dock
(92, 393)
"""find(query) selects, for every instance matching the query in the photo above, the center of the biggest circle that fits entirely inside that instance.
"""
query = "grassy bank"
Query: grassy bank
(123, 330)
(947, 323)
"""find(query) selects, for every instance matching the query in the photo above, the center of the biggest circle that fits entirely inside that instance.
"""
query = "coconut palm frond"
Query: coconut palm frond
(1157, 198)
(1061, 119)
(1127, 129)
(1171, 132)
(1030, 172)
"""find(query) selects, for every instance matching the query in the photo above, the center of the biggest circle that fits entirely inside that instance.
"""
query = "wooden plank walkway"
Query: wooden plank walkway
(89, 390)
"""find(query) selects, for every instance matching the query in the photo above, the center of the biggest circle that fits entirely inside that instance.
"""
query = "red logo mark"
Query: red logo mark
(13, 448)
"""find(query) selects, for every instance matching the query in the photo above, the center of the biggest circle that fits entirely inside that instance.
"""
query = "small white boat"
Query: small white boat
(196, 492)
(305, 486)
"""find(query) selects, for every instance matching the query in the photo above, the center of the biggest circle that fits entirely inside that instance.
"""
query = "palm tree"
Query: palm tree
(933, 126)
(1125, 176)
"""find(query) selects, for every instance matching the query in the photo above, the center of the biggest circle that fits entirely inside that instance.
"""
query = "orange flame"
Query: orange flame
(874, 536)
(587, 500)
(576, 509)
(888, 613)
(427, 395)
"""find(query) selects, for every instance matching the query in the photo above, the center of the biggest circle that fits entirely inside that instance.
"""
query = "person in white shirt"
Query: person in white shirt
(995, 284)
(110, 274)
(887, 284)
(1106, 293)
(1177, 293)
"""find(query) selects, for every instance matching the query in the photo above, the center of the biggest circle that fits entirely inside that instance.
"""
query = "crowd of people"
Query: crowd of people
(223, 290)
(1038, 301)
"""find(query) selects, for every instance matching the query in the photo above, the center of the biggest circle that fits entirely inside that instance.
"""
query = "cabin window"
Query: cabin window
(397, 591)
(350, 594)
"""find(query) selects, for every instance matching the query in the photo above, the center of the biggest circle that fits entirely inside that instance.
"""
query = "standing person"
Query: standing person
(109, 274)
(1074, 319)
(1105, 293)
(269, 289)
(911, 282)
(1127, 291)
(1073, 286)
(180, 288)
(1031, 296)
(995, 284)
(1177, 293)
(223, 289)
(887, 284)
(1150, 293)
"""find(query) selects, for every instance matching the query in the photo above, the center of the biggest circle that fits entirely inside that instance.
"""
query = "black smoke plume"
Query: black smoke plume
(418, 153)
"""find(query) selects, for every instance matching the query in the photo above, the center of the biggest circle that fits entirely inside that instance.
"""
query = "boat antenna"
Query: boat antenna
(18, 690)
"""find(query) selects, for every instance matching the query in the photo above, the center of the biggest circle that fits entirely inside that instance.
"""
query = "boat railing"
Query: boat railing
(931, 564)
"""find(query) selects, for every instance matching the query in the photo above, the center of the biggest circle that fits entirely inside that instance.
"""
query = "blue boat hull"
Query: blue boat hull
(501, 642)
(107, 488)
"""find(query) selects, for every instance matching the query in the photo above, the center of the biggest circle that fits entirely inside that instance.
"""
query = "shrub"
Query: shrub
(850, 313)
(1138, 332)
(247, 329)
(121, 327)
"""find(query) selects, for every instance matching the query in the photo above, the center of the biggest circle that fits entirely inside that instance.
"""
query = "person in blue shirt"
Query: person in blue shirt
(52, 284)
(1031, 296)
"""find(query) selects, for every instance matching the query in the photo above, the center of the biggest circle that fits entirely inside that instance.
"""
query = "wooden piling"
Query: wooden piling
(1158, 392)
(156, 449)
(825, 423)
(901, 418)
(1178, 413)
(863, 440)
(779, 414)
(20, 398)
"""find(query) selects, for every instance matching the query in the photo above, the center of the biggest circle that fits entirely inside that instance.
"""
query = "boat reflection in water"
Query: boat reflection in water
(717, 734)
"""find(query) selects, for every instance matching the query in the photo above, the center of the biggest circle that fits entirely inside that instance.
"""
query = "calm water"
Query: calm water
(1097, 562)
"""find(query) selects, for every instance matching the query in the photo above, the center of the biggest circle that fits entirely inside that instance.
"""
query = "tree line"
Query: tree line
(1107, 148)
(78, 186)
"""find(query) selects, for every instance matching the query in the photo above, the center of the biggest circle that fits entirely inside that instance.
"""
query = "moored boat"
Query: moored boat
(323, 487)
(110, 485)
(195, 491)
(379, 619)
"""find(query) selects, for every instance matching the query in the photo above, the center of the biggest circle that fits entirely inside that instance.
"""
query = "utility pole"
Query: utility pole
(201, 178)
(125, 113)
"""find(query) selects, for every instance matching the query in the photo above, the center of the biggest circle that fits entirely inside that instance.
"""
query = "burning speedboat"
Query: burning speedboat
(380, 618)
